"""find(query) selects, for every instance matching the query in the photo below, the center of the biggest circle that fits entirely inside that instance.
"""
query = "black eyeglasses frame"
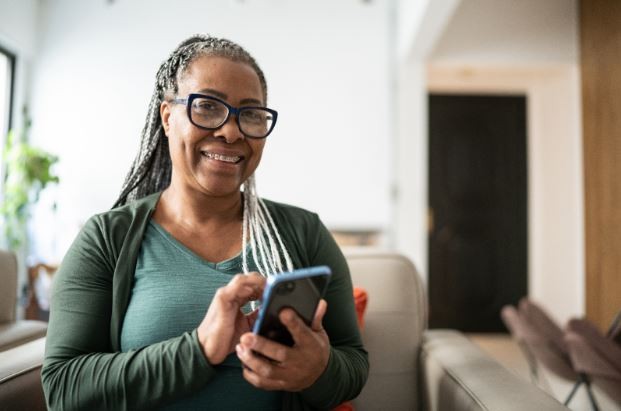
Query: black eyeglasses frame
(231, 110)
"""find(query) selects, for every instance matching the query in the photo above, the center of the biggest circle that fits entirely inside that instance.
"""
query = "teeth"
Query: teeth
(222, 157)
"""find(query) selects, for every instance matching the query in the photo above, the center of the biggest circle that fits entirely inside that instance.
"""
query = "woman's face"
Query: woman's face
(197, 154)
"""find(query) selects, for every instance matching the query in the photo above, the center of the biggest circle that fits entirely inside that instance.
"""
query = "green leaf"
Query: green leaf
(28, 171)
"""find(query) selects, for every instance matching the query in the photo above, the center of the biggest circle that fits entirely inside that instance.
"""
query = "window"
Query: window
(7, 65)
(7, 70)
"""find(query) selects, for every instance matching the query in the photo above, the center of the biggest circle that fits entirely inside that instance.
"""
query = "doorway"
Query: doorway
(477, 209)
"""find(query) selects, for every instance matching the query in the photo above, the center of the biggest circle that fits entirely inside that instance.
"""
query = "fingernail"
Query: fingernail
(248, 339)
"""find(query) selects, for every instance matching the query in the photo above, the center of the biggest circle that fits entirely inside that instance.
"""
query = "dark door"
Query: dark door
(477, 198)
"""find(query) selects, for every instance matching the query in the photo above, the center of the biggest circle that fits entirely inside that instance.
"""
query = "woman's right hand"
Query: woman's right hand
(225, 322)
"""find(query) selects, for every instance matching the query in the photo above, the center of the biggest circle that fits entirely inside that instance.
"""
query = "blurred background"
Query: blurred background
(450, 130)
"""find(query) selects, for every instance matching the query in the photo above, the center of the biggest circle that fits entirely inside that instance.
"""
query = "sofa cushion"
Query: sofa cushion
(13, 334)
(20, 377)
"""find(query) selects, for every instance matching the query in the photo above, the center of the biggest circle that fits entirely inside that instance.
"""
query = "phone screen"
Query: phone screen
(300, 290)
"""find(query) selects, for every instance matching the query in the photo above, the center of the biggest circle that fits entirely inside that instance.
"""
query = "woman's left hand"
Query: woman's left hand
(287, 368)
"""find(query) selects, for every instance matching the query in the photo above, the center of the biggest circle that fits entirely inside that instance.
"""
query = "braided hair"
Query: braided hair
(151, 170)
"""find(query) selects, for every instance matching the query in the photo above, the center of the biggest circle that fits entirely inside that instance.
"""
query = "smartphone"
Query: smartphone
(300, 290)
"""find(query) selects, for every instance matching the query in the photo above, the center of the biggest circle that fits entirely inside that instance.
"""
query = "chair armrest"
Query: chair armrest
(20, 377)
(16, 333)
(458, 375)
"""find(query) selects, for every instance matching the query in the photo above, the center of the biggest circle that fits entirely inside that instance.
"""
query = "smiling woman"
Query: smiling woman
(151, 303)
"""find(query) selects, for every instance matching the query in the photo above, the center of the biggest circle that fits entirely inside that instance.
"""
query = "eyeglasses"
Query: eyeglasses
(211, 113)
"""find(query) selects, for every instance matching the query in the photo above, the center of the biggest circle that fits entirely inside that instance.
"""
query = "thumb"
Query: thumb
(322, 307)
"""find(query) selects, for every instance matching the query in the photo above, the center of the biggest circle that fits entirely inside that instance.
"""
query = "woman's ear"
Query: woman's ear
(165, 115)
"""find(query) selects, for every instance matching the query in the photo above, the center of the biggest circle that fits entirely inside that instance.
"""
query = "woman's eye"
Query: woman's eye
(205, 105)
(254, 116)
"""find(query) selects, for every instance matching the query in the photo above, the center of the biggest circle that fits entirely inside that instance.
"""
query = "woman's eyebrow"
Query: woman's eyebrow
(216, 93)
(251, 101)
(224, 96)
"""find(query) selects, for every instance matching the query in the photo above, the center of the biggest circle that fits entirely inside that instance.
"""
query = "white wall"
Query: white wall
(18, 19)
(328, 75)
(421, 23)
(18, 33)
(411, 14)
(531, 47)
(509, 32)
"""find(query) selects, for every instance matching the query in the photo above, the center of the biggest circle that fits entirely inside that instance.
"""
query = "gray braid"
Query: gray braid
(151, 169)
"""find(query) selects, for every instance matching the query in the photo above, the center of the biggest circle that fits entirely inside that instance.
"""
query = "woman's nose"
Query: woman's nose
(230, 130)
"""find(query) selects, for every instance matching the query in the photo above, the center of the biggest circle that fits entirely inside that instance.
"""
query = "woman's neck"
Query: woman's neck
(190, 208)
(210, 226)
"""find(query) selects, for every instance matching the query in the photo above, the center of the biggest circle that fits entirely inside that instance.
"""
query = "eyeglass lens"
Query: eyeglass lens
(254, 122)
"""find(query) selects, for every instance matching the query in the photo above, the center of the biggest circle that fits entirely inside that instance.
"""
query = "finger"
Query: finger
(253, 278)
(319, 314)
(259, 365)
(270, 349)
(257, 293)
(257, 282)
(296, 326)
(241, 289)
(238, 294)
(263, 383)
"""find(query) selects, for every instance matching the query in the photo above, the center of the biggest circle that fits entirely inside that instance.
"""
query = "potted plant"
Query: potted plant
(28, 170)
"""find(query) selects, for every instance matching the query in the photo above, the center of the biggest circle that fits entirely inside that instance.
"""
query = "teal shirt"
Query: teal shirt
(84, 367)
(172, 289)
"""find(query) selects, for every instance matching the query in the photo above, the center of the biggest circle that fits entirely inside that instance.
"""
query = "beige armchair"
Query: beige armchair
(395, 319)
(14, 332)
(412, 368)
(21, 346)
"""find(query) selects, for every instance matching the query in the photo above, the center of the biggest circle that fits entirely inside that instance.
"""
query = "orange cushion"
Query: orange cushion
(360, 302)
(346, 406)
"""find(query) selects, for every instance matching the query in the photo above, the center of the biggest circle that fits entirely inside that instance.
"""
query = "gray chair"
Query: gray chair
(14, 332)
(545, 340)
(596, 355)
(519, 331)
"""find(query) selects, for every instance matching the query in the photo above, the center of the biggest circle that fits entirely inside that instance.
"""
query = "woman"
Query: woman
(128, 328)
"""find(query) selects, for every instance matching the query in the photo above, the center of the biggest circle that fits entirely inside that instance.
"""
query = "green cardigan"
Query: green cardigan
(84, 367)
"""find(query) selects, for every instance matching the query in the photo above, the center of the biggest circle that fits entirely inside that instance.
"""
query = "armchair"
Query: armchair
(596, 355)
(14, 332)
(412, 368)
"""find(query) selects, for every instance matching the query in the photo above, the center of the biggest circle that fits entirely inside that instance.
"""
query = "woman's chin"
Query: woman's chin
(219, 190)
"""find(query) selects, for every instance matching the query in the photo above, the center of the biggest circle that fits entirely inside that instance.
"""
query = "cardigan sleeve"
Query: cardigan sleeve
(80, 370)
(348, 366)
